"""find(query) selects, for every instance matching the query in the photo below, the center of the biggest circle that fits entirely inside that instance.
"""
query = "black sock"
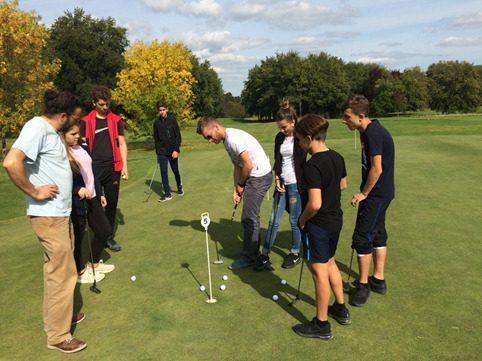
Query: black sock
(376, 280)
(321, 323)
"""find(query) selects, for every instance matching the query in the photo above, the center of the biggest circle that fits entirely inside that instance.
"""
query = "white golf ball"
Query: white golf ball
(275, 297)
(133, 278)
(283, 282)
(202, 288)
(225, 278)
(222, 287)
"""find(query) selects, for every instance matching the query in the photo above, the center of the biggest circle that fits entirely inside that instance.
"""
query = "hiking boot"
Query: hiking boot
(376, 285)
(180, 192)
(165, 198)
(78, 318)
(339, 313)
(360, 294)
(291, 260)
(113, 245)
(70, 345)
(88, 277)
(262, 263)
(242, 262)
(101, 267)
(312, 329)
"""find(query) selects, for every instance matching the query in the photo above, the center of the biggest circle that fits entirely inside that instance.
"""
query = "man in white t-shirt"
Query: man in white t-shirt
(252, 179)
(38, 165)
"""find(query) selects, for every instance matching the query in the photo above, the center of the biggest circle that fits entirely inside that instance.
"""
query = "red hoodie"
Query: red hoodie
(112, 125)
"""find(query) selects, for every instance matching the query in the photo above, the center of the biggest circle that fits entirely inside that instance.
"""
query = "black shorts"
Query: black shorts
(320, 244)
(370, 229)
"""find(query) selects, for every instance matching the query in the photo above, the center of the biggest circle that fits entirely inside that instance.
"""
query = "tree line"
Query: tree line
(319, 83)
(79, 52)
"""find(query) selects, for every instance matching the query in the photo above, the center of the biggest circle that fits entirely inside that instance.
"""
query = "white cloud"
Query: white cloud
(289, 14)
(453, 41)
(378, 60)
(203, 7)
(219, 42)
(391, 44)
(468, 21)
(208, 8)
(163, 5)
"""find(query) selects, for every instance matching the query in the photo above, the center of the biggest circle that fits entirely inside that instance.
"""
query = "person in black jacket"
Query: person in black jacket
(289, 160)
(167, 140)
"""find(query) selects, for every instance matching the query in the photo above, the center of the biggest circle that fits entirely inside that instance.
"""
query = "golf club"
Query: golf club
(93, 288)
(297, 297)
(234, 212)
(346, 286)
(149, 190)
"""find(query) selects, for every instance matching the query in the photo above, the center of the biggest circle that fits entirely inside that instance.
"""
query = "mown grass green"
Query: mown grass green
(432, 310)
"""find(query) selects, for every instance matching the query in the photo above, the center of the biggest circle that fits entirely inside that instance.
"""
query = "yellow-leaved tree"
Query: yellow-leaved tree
(154, 71)
(25, 73)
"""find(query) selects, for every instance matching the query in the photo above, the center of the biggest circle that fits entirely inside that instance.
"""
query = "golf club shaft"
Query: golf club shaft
(93, 288)
(234, 212)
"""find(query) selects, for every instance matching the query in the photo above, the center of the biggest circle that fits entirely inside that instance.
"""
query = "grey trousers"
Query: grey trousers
(256, 188)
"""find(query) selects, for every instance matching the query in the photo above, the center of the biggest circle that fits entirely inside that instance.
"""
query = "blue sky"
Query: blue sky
(234, 35)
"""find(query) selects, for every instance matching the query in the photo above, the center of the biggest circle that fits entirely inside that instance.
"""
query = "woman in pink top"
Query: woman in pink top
(87, 206)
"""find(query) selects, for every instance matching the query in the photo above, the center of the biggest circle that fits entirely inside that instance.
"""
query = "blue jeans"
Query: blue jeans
(174, 162)
(293, 199)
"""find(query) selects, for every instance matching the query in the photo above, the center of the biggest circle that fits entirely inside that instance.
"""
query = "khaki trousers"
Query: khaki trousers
(60, 276)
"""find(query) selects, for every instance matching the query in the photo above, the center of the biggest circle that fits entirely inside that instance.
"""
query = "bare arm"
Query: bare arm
(13, 164)
(312, 207)
(372, 179)
(123, 152)
(343, 184)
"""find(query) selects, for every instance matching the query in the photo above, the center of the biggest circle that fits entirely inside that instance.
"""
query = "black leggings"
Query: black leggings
(99, 224)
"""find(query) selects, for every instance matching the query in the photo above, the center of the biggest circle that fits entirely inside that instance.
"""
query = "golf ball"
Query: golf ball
(275, 297)
(225, 278)
(283, 282)
(222, 287)
(133, 278)
(202, 288)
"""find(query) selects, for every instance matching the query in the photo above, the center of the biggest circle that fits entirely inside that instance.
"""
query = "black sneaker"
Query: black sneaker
(376, 285)
(180, 192)
(262, 263)
(339, 313)
(165, 198)
(360, 294)
(291, 260)
(313, 330)
(113, 245)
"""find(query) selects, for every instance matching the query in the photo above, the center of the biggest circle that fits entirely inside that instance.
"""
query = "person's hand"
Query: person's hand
(357, 198)
(280, 187)
(125, 174)
(84, 193)
(103, 201)
(239, 189)
(175, 154)
(45, 192)
(301, 224)
(236, 198)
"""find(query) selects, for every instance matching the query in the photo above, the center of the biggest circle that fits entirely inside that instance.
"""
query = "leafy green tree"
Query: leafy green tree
(357, 76)
(325, 85)
(91, 51)
(155, 71)
(415, 82)
(390, 96)
(24, 73)
(207, 90)
(454, 87)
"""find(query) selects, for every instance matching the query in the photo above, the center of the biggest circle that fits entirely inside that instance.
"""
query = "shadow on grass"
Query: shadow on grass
(266, 283)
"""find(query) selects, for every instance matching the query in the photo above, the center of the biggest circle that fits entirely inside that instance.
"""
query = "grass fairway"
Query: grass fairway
(431, 312)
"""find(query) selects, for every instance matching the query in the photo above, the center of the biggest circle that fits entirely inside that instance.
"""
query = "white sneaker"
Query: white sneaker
(101, 267)
(88, 277)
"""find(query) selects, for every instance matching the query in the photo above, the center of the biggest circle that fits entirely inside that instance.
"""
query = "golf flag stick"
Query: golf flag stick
(205, 221)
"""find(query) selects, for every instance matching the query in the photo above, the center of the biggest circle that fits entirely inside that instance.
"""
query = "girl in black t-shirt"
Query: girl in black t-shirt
(324, 176)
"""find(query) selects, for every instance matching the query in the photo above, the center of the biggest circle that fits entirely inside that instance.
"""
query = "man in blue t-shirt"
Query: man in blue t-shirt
(377, 189)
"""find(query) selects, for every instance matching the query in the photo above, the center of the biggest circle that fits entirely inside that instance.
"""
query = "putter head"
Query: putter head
(94, 289)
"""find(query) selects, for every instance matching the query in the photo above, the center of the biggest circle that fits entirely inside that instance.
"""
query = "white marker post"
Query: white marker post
(205, 221)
